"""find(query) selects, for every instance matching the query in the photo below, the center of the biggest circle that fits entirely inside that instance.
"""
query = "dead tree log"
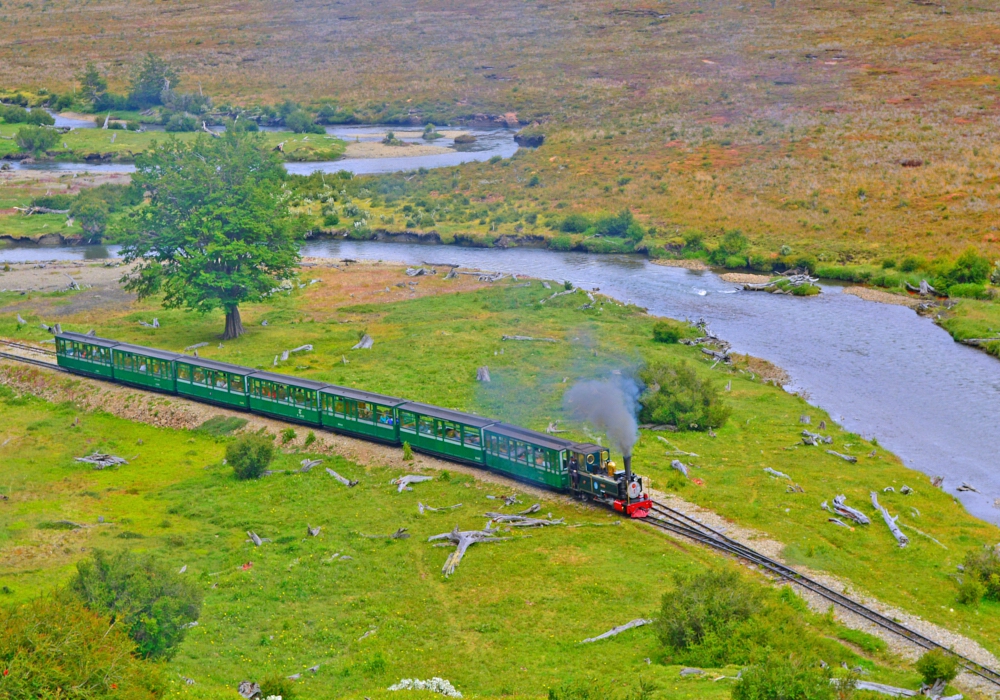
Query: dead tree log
(345, 481)
(902, 539)
(421, 507)
(308, 464)
(256, 539)
(618, 630)
(846, 458)
(102, 461)
(815, 439)
(840, 507)
(774, 472)
(483, 374)
(529, 338)
(28, 211)
(523, 520)
(404, 481)
(680, 466)
(365, 343)
(462, 540)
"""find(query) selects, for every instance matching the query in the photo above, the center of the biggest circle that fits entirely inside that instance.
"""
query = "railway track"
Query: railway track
(673, 521)
(666, 518)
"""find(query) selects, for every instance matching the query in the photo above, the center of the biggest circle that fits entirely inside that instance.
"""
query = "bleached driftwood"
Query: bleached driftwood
(483, 374)
(102, 461)
(618, 630)
(313, 531)
(902, 539)
(462, 540)
(673, 448)
(189, 348)
(421, 507)
(419, 271)
(815, 439)
(523, 520)
(307, 464)
(554, 428)
(154, 324)
(21, 320)
(256, 539)
(248, 689)
(404, 481)
(838, 521)
(680, 466)
(369, 633)
(968, 487)
(774, 472)
(345, 481)
(529, 338)
(531, 509)
(301, 348)
(558, 294)
(840, 507)
(204, 127)
(846, 458)
(365, 343)
(546, 285)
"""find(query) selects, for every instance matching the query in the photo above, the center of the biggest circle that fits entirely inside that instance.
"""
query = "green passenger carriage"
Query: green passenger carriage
(145, 367)
(208, 380)
(86, 354)
(440, 431)
(284, 396)
(360, 413)
(526, 454)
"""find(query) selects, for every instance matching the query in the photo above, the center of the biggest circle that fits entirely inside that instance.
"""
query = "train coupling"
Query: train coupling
(634, 509)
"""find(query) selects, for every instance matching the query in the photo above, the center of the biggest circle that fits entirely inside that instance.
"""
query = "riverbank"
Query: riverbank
(421, 320)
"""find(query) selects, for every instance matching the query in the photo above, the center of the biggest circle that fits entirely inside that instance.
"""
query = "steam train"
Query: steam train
(582, 469)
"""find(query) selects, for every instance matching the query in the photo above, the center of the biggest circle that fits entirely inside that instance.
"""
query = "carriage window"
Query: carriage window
(282, 392)
(184, 373)
(384, 415)
(451, 431)
(220, 380)
(520, 452)
(407, 421)
(426, 426)
(236, 383)
(503, 446)
(340, 406)
(364, 411)
(539, 458)
(471, 436)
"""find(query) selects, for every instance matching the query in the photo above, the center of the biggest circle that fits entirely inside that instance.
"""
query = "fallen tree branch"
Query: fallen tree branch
(529, 338)
(462, 541)
(365, 343)
(102, 461)
(345, 481)
(840, 507)
(421, 507)
(618, 630)
(902, 539)
(846, 458)
(523, 520)
(404, 481)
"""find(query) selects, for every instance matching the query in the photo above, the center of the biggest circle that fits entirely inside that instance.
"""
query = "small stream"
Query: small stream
(879, 370)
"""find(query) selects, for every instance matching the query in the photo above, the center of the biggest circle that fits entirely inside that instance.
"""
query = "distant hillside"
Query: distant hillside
(851, 129)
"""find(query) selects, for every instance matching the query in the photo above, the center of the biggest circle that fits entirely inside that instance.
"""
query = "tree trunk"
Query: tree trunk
(234, 326)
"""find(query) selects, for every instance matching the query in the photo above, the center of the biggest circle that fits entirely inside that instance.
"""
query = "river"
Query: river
(880, 370)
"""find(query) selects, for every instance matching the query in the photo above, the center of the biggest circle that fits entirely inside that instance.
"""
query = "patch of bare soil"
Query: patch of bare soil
(877, 295)
(98, 283)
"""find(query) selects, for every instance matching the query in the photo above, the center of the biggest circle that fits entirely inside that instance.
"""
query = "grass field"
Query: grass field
(791, 122)
(428, 347)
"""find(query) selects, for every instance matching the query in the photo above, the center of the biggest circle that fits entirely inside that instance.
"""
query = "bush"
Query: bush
(407, 452)
(676, 396)
(53, 201)
(277, 686)
(937, 665)
(910, 263)
(39, 117)
(180, 123)
(287, 435)
(667, 332)
(54, 642)
(35, 139)
(969, 268)
(782, 679)
(968, 291)
(703, 605)
(152, 602)
(563, 243)
(984, 566)
(300, 122)
(574, 223)
(621, 225)
(310, 438)
(249, 456)
(734, 262)
(971, 591)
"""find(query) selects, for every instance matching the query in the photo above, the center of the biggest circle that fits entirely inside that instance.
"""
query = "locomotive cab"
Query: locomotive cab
(594, 475)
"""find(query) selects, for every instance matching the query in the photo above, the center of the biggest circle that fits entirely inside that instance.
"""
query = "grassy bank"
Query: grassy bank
(428, 344)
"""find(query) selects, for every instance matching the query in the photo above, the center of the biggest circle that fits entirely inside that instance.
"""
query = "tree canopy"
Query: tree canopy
(215, 230)
(150, 78)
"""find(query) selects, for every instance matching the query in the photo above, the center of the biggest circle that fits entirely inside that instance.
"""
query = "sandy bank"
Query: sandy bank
(869, 294)
(375, 149)
(744, 278)
(686, 264)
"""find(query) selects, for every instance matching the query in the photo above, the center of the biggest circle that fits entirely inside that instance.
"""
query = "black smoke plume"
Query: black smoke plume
(609, 405)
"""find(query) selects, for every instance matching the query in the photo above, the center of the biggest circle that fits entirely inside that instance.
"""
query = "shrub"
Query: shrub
(937, 665)
(407, 452)
(969, 268)
(35, 139)
(561, 243)
(734, 261)
(667, 331)
(152, 602)
(534, 181)
(888, 263)
(180, 123)
(910, 263)
(300, 122)
(310, 438)
(968, 291)
(331, 219)
(287, 435)
(277, 686)
(971, 591)
(54, 201)
(621, 225)
(782, 679)
(221, 425)
(574, 223)
(705, 604)
(984, 566)
(675, 395)
(54, 643)
(249, 456)
(39, 117)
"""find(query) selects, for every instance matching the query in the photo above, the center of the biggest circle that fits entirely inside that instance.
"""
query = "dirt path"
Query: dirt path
(174, 412)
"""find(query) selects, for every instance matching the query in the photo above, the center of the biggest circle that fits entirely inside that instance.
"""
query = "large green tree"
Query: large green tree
(214, 230)
(150, 78)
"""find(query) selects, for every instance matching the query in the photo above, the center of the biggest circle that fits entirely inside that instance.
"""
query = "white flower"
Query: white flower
(435, 685)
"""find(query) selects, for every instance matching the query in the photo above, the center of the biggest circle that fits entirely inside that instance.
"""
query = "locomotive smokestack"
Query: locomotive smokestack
(627, 459)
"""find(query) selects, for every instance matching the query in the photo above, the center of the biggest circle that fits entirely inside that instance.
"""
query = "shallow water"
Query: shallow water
(489, 143)
(880, 370)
